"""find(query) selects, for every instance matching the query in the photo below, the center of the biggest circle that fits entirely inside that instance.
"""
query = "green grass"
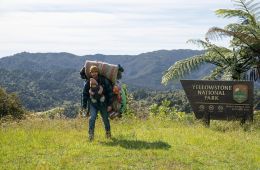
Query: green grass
(136, 144)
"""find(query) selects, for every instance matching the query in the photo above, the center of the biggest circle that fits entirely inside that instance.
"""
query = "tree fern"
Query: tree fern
(182, 67)
(215, 74)
(243, 59)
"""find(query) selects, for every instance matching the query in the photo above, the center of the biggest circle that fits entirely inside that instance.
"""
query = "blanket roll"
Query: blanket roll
(108, 70)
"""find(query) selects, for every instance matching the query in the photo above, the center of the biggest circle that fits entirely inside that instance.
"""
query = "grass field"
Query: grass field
(136, 144)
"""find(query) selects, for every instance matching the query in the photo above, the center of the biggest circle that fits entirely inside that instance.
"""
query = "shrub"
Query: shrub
(71, 111)
(165, 110)
(10, 105)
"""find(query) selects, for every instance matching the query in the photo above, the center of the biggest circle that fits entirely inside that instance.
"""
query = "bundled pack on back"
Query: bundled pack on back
(110, 71)
(113, 73)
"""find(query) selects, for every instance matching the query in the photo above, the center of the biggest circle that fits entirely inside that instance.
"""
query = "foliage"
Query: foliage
(136, 144)
(175, 102)
(257, 99)
(242, 61)
(10, 105)
(55, 113)
(245, 35)
(177, 98)
(165, 111)
(140, 102)
(66, 111)
(139, 69)
(71, 111)
(135, 108)
(41, 91)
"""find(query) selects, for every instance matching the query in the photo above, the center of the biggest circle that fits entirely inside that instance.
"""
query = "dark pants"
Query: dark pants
(93, 115)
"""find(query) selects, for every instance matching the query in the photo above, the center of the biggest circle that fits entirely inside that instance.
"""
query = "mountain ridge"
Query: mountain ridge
(46, 80)
(138, 68)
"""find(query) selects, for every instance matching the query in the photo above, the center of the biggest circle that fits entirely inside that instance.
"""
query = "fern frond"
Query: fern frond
(250, 6)
(199, 43)
(244, 15)
(213, 51)
(181, 68)
(230, 13)
(245, 37)
(215, 74)
(231, 64)
(218, 56)
(249, 33)
(216, 33)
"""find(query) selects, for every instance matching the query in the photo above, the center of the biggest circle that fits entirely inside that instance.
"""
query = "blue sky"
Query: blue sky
(105, 26)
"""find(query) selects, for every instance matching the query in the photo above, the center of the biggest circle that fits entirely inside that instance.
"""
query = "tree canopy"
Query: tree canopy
(239, 61)
(10, 105)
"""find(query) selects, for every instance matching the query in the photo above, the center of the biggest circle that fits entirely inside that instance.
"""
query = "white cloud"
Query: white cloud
(104, 26)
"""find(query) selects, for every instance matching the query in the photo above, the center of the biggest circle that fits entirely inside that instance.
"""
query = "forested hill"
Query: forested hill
(144, 70)
(45, 80)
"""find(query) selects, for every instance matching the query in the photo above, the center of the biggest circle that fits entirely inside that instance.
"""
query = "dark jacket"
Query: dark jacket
(107, 90)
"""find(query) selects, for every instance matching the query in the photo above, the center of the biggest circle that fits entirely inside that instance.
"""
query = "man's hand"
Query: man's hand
(100, 90)
(109, 108)
(91, 92)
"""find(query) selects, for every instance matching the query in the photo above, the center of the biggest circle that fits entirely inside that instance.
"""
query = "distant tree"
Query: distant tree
(241, 60)
(44, 91)
(10, 105)
(71, 111)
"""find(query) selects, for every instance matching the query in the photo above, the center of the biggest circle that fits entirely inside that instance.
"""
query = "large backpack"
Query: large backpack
(113, 73)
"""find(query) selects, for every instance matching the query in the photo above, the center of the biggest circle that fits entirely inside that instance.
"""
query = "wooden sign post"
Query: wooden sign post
(220, 100)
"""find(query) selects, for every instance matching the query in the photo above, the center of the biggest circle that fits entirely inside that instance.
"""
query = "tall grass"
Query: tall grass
(136, 144)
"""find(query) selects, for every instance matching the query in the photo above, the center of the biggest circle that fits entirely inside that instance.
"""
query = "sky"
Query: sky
(110, 27)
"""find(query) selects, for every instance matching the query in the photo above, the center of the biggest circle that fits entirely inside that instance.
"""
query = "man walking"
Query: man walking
(94, 107)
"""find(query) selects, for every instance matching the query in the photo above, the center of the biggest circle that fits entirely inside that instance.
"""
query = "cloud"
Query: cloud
(107, 5)
(104, 26)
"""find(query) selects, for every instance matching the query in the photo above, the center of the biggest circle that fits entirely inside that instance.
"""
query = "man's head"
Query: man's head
(93, 71)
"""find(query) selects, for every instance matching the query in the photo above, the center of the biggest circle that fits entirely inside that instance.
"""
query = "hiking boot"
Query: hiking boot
(112, 115)
(116, 114)
(108, 134)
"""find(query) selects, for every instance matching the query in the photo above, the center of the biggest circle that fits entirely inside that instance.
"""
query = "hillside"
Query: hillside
(45, 80)
(144, 70)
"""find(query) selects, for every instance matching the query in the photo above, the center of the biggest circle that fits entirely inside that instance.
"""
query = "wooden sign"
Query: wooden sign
(220, 100)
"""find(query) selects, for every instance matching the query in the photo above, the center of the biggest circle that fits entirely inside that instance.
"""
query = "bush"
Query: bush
(10, 105)
(71, 111)
(165, 110)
